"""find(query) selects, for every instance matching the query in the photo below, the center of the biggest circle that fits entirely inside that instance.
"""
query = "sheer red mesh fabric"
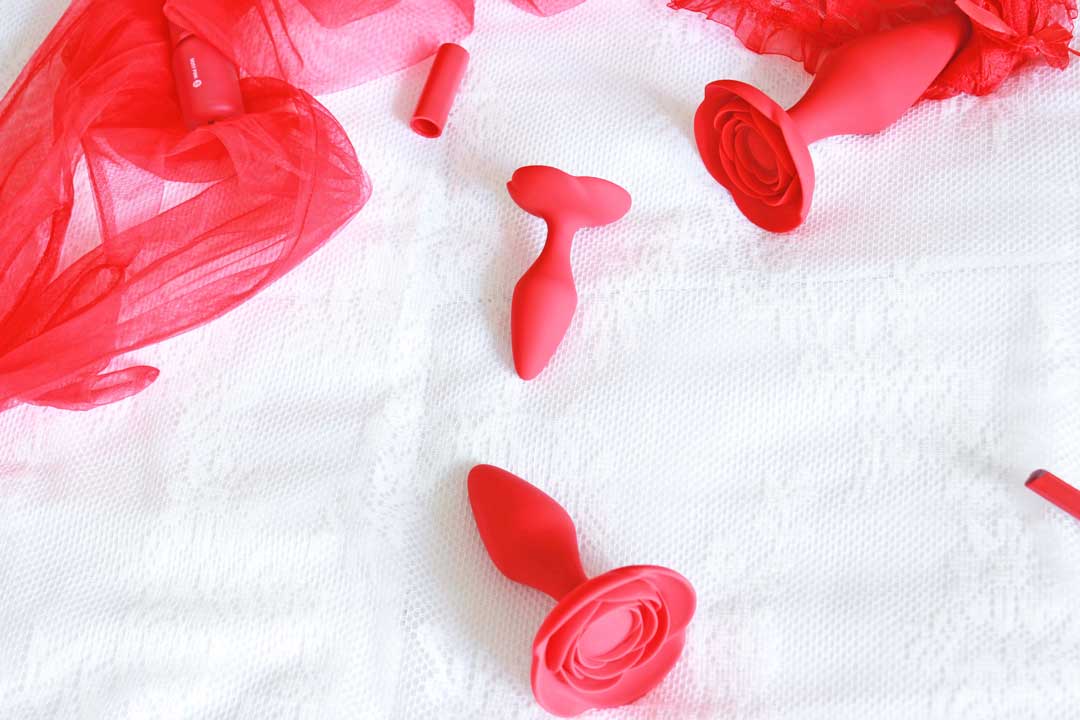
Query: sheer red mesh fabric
(325, 45)
(804, 30)
(1006, 34)
(191, 223)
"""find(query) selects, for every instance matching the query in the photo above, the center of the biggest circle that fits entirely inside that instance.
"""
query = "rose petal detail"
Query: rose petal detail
(562, 642)
(747, 153)
(632, 641)
(591, 685)
(585, 661)
(618, 667)
(659, 636)
(747, 165)
(678, 598)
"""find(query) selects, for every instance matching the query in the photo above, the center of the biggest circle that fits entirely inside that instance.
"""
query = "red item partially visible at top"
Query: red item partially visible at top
(1006, 34)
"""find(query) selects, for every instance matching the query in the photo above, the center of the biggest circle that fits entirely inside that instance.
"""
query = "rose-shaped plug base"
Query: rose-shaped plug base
(545, 298)
(752, 147)
(609, 640)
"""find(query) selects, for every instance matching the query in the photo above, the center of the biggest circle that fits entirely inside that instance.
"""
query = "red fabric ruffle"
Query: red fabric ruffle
(805, 30)
(1006, 34)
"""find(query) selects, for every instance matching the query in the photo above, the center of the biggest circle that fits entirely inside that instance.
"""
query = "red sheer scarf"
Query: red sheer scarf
(191, 223)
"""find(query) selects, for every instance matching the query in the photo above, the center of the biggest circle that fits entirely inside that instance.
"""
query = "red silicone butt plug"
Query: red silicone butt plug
(759, 151)
(609, 640)
(545, 298)
(1056, 490)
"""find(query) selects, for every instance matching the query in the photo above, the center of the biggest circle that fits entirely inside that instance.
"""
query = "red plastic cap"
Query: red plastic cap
(1056, 490)
(439, 92)
(178, 34)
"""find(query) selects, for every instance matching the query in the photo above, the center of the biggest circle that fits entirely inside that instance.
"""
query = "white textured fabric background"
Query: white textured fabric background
(827, 432)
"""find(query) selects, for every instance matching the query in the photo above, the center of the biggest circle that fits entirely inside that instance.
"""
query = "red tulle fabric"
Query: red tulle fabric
(1006, 34)
(325, 45)
(546, 7)
(190, 223)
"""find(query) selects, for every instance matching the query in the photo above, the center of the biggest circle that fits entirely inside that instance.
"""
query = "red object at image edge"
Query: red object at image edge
(610, 639)
(1056, 490)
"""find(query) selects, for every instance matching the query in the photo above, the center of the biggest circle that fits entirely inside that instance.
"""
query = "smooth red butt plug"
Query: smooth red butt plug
(760, 152)
(1056, 490)
(545, 298)
(610, 639)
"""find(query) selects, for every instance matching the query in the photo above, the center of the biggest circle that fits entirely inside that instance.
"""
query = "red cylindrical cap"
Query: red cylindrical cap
(440, 90)
(1056, 490)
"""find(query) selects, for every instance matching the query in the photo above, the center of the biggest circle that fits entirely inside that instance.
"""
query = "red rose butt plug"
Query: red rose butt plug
(759, 151)
(206, 81)
(610, 639)
(545, 298)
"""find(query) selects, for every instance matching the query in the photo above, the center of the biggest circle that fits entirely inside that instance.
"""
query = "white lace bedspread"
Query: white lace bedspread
(827, 432)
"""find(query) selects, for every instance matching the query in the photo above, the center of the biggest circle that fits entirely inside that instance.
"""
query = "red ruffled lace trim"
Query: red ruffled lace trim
(1006, 34)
